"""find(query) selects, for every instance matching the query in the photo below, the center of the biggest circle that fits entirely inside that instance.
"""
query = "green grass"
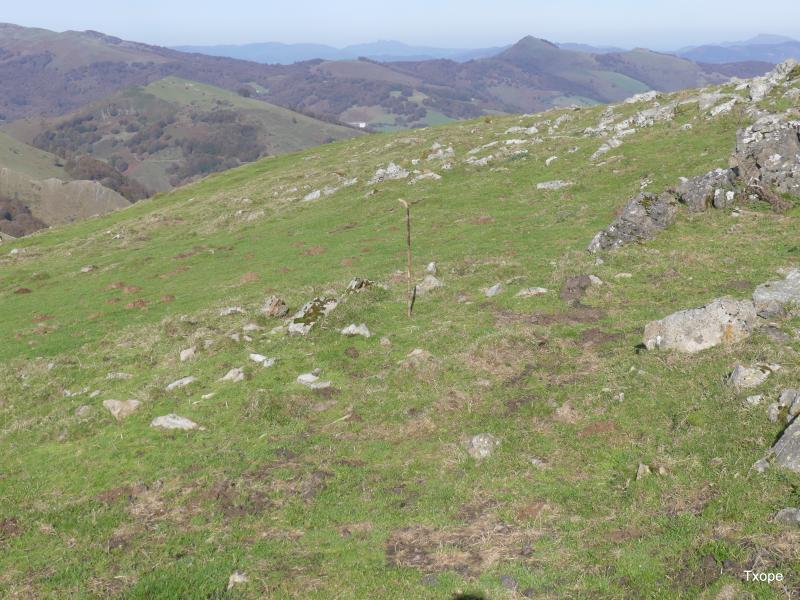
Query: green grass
(363, 492)
(32, 162)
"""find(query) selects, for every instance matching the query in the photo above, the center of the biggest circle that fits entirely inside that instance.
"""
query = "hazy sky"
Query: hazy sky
(660, 24)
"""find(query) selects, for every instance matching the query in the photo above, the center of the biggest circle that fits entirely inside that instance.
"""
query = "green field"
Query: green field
(28, 160)
(365, 490)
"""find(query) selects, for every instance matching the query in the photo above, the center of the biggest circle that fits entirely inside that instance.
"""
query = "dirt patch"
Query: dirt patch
(599, 428)
(576, 315)
(469, 549)
(111, 496)
(623, 535)
(597, 337)
(533, 510)
(131, 289)
(701, 575)
(740, 285)
(249, 277)
(512, 359)
(351, 352)
(23, 290)
(9, 528)
(139, 303)
(314, 251)
(40, 318)
(168, 298)
(237, 500)
(688, 502)
(482, 220)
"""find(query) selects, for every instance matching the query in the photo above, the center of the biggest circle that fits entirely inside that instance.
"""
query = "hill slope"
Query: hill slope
(174, 130)
(619, 472)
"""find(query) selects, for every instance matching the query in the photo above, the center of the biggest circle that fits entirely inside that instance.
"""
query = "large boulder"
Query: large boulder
(786, 451)
(774, 297)
(723, 320)
(641, 219)
(714, 189)
(768, 154)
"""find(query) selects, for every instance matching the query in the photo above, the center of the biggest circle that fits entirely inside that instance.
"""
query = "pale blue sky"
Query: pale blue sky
(659, 24)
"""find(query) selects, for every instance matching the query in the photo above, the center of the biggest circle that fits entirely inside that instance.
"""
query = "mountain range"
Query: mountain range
(139, 119)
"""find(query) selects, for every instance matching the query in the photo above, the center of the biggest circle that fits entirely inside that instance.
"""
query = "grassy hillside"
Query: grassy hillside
(30, 161)
(365, 490)
(174, 130)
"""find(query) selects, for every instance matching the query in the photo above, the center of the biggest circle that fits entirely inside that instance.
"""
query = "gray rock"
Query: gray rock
(357, 284)
(431, 268)
(754, 400)
(188, 354)
(786, 451)
(231, 310)
(392, 171)
(530, 292)
(234, 375)
(428, 284)
(311, 312)
(788, 516)
(120, 409)
(262, 360)
(557, 184)
(641, 219)
(575, 288)
(482, 445)
(354, 330)
(183, 382)
(494, 290)
(237, 579)
(312, 381)
(274, 307)
(775, 297)
(82, 411)
(768, 154)
(173, 421)
(749, 377)
(723, 320)
(709, 190)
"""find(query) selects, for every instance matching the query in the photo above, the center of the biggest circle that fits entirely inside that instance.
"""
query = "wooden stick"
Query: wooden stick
(412, 291)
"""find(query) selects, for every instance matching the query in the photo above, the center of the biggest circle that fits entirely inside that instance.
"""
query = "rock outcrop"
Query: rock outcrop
(775, 297)
(715, 189)
(724, 320)
(641, 219)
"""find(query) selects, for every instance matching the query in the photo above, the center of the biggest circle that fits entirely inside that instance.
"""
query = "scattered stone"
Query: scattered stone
(357, 284)
(494, 290)
(391, 172)
(788, 516)
(754, 400)
(431, 268)
(788, 406)
(709, 190)
(642, 472)
(550, 161)
(761, 465)
(183, 382)
(234, 375)
(776, 335)
(641, 219)
(554, 185)
(188, 354)
(88, 269)
(311, 312)
(173, 421)
(749, 377)
(262, 360)
(723, 320)
(481, 446)
(250, 327)
(83, 411)
(386, 342)
(353, 330)
(231, 310)
(774, 297)
(623, 276)
(274, 307)
(237, 579)
(119, 376)
(429, 283)
(312, 381)
(315, 195)
(417, 358)
(530, 292)
(120, 409)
